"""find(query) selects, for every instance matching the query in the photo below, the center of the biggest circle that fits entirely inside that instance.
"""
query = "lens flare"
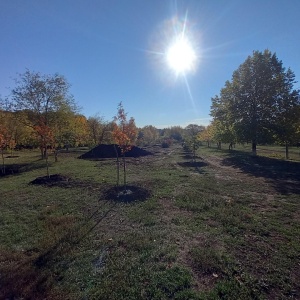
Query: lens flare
(175, 49)
(181, 56)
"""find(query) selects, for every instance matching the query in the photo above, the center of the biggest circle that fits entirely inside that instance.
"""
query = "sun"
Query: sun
(181, 56)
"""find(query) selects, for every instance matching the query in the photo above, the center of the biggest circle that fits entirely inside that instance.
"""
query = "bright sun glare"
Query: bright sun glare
(181, 56)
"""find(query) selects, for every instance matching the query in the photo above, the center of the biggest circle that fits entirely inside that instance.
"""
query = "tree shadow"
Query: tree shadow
(16, 169)
(194, 165)
(72, 238)
(34, 272)
(283, 175)
(187, 156)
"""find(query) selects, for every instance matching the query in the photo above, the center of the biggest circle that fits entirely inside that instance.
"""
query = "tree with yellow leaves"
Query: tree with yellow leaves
(124, 134)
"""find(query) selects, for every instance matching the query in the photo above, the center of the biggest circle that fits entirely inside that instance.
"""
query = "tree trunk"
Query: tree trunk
(194, 152)
(286, 150)
(42, 152)
(56, 155)
(124, 168)
(254, 148)
(47, 164)
(118, 169)
(3, 165)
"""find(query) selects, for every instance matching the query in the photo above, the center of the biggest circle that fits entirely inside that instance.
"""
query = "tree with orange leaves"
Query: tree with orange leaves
(46, 140)
(124, 134)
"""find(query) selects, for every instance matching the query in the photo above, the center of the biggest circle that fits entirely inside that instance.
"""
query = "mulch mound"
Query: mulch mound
(109, 151)
(130, 194)
(51, 180)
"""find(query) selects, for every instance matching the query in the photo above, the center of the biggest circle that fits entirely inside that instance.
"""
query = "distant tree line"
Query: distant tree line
(259, 105)
(42, 113)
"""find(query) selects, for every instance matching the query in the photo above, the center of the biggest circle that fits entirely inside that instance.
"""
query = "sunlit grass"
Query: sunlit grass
(203, 233)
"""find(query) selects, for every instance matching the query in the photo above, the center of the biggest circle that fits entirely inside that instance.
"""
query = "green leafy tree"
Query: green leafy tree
(286, 126)
(148, 135)
(192, 141)
(99, 130)
(206, 135)
(176, 133)
(252, 102)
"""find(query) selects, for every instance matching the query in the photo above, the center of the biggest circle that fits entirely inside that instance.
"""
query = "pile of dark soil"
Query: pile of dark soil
(51, 180)
(109, 151)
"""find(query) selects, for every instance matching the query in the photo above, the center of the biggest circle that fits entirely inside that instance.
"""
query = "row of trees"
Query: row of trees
(258, 105)
(42, 104)
(42, 113)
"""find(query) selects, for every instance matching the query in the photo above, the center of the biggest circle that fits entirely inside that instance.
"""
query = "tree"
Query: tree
(5, 134)
(206, 135)
(42, 96)
(191, 140)
(148, 135)
(220, 132)
(46, 140)
(175, 133)
(99, 130)
(124, 134)
(251, 103)
(285, 128)
(4, 142)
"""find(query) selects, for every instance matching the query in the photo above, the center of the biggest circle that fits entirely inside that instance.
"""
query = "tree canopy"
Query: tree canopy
(44, 99)
(42, 94)
(259, 103)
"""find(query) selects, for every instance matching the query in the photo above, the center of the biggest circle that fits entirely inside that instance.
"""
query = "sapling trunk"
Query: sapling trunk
(118, 169)
(254, 148)
(124, 169)
(55, 155)
(47, 164)
(3, 165)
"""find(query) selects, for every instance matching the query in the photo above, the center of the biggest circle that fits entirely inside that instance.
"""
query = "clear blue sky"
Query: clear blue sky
(112, 50)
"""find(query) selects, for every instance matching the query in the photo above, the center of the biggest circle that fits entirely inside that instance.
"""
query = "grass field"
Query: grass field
(224, 227)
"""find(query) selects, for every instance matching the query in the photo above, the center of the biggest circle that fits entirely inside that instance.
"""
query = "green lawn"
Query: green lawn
(224, 227)
(273, 151)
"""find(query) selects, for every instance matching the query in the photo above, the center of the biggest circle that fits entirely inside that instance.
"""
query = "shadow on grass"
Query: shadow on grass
(72, 238)
(195, 165)
(187, 156)
(130, 194)
(283, 175)
(14, 169)
(33, 273)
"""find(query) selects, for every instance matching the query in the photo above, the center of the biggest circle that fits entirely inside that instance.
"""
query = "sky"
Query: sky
(115, 50)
